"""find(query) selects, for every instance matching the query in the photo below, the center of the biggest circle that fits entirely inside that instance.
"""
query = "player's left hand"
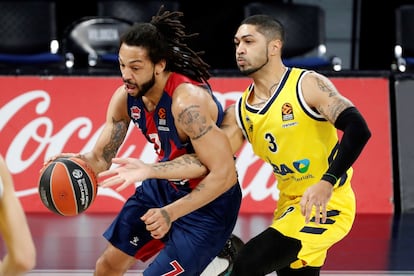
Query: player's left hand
(158, 222)
(317, 196)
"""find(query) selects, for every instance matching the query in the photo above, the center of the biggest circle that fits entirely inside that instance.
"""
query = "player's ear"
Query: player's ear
(160, 66)
(275, 46)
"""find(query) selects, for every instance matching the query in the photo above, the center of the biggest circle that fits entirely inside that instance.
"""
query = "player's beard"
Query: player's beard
(146, 86)
(250, 71)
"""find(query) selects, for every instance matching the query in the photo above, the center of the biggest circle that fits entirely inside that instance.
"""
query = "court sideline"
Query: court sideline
(378, 244)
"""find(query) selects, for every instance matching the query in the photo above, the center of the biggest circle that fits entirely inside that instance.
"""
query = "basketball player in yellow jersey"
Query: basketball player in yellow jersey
(290, 116)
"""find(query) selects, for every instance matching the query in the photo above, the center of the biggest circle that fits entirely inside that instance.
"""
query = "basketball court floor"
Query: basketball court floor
(378, 244)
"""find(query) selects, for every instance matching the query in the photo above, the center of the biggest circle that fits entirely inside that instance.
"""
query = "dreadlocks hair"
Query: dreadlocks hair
(165, 38)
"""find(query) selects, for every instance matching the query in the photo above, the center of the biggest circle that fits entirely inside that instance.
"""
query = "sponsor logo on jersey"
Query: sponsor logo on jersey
(300, 166)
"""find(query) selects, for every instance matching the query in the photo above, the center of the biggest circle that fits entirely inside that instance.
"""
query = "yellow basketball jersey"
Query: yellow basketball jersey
(299, 144)
(293, 138)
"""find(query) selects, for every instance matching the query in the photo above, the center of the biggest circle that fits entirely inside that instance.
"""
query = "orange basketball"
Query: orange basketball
(67, 186)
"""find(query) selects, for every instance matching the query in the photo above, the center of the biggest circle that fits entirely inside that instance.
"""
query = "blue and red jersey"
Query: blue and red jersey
(158, 125)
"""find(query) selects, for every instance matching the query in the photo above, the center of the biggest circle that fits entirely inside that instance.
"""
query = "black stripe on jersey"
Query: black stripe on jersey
(331, 213)
(328, 221)
(300, 100)
(313, 230)
(279, 88)
(248, 108)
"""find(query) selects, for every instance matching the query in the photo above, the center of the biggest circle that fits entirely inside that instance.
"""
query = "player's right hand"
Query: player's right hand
(56, 156)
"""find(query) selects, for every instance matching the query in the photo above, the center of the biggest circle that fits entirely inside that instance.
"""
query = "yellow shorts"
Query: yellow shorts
(316, 239)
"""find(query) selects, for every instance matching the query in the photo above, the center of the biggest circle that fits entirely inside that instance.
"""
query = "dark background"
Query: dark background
(217, 21)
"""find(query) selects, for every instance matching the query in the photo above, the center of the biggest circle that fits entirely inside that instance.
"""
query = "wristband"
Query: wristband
(330, 178)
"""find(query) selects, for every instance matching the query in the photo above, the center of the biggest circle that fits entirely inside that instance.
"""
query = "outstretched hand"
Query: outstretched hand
(130, 170)
(317, 196)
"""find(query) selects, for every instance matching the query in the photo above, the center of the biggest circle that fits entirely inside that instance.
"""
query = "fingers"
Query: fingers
(317, 212)
(115, 180)
(110, 181)
(107, 173)
(324, 213)
(320, 214)
(122, 161)
(123, 186)
(60, 155)
(155, 228)
(155, 223)
(54, 157)
(117, 160)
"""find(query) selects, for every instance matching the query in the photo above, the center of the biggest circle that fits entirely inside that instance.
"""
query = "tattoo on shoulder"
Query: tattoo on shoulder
(325, 86)
(194, 122)
(118, 133)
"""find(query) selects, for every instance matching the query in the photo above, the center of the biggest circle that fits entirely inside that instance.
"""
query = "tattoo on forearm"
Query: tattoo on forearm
(182, 162)
(195, 124)
(199, 187)
(117, 137)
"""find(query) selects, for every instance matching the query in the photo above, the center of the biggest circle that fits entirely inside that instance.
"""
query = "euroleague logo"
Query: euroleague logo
(287, 112)
(77, 173)
(162, 114)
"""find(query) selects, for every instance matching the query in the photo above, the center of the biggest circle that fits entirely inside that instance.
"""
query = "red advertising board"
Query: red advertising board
(43, 116)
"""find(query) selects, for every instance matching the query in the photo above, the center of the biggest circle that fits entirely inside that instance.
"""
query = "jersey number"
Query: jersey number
(271, 141)
(156, 140)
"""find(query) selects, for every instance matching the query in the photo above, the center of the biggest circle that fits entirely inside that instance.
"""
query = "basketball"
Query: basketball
(67, 186)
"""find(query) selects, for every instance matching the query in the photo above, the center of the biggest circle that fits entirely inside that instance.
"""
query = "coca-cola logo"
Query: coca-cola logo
(37, 124)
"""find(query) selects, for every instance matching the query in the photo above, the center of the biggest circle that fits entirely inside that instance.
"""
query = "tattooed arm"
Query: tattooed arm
(112, 135)
(195, 114)
(187, 166)
(320, 94)
(132, 170)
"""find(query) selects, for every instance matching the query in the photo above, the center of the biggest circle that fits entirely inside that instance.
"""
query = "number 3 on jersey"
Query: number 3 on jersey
(271, 142)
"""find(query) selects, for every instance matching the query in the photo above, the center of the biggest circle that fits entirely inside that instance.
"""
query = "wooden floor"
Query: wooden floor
(377, 244)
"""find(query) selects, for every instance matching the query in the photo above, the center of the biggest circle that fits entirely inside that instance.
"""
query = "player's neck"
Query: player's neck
(152, 98)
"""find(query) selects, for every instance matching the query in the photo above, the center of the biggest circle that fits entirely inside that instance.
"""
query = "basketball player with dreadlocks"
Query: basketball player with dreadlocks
(166, 95)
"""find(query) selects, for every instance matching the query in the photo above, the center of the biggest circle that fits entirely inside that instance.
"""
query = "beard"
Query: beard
(146, 86)
(249, 71)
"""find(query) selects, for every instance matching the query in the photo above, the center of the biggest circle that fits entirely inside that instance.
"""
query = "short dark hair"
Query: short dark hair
(270, 27)
(164, 38)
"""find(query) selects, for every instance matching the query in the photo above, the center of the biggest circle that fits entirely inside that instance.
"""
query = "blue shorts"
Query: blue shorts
(193, 240)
